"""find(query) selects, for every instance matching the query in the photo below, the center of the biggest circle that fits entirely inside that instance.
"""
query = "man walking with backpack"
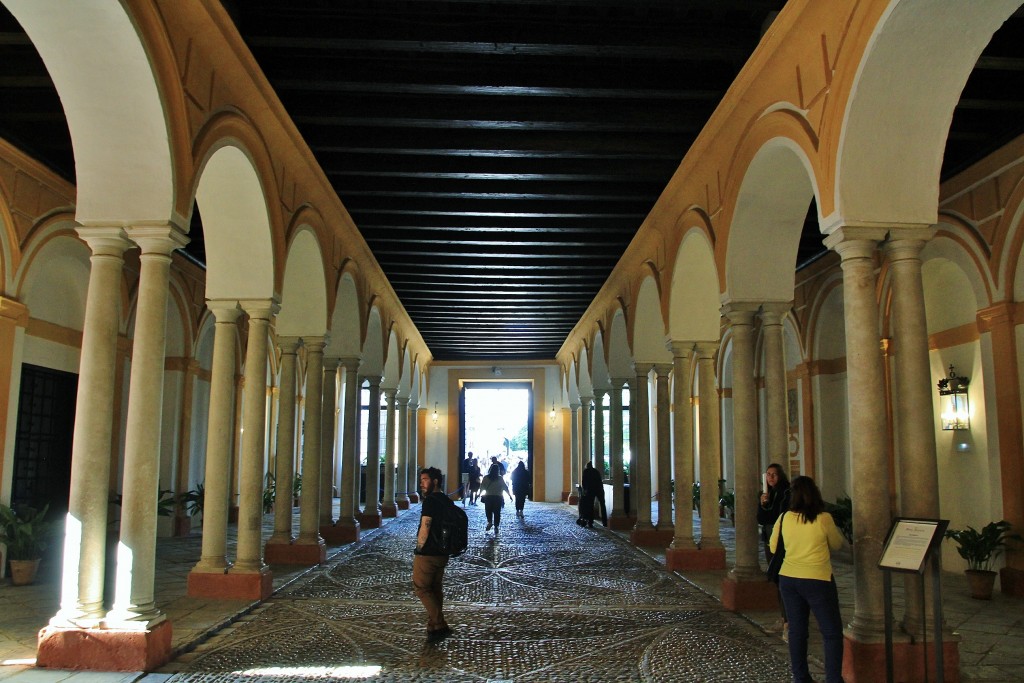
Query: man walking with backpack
(431, 558)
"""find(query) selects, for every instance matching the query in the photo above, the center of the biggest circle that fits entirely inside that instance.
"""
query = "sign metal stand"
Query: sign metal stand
(910, 544)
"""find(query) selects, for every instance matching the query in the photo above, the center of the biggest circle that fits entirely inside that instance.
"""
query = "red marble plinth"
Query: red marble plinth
(648, 538)
(694, 559)
(337, 534)
(565, 496)
(234, 586)
(738, 596)
(403, 505)
(307, 554)
(100, 649)
(414, 498)
(389, 510)
(865, 662)
(573, 499)
(370, 520)
(621, 522)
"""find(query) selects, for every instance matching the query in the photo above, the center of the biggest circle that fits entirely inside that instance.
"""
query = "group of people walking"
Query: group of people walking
(794, 525)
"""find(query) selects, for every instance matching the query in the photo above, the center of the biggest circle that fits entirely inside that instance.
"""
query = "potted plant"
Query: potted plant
(269, 492)
(727, 505)
(981, 549)
(297, 490)
(25, 532)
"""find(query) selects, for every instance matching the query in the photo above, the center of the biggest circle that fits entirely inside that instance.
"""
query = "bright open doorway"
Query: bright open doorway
(497, 421)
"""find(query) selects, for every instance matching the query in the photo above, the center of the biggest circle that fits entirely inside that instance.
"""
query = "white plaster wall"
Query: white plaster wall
(49, 354)
(832, 441)
(554, 456)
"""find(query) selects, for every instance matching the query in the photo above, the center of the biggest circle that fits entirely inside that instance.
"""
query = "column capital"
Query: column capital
(586, 400)
(390, 393)
(106, 241)
(642, 369)
(402, 401)
(331, 364)
(261, 309)
(373, 380)
(314, 343)
(663, 369)
(739, 312)
(157, 239)
(914, 232)
(679, 348)
(706, 349)
(288, 345)
(855, 241)
(574, 405)
(772, 312)
(905, 244)
(413, 405)
(619, 382)
(224, 310)
(350, 363)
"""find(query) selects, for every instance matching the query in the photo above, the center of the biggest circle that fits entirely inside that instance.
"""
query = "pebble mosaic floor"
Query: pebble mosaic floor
(545, 601)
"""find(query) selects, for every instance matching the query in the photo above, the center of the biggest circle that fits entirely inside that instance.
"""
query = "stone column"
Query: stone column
(309, 547)
(631, 387)
(743, 588)
(134, 599)
(918, 468)
(666, 531)
(371, 517)
(640, 467)
(284, 463)
(710, 447)
(683, 552)
(868, 428)
(599, 432)
(586, 448)
(85, 533)
(619, 518)
(388, 507)
(777, 421)
(219, 437)
(249, 561)
(414, 460)
(349, 506)
(574, 439)
(328, 438)
(402, 483)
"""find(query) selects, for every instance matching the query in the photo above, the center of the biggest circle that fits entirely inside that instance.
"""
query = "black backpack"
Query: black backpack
(450, 532)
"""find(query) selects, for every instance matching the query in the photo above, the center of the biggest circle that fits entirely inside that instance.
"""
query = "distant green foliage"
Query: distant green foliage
(982, 548)
(25, 531)
(842, 514)
(519, 442)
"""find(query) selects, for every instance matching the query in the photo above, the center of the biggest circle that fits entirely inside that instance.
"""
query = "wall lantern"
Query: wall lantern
(553, 416)
(954, 409)
(433, 416)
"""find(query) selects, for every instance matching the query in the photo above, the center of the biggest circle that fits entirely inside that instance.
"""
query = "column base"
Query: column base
(864, 662)
(694, 559)
(572, 499)
(414, 498)
(649, 537)
(99, 649)
(750, 594)
(306, 554)
(403, 505)
(621, 522)
(389, 510)
(370, 520)
(256, 586)
(565, 496)
(1011, 581)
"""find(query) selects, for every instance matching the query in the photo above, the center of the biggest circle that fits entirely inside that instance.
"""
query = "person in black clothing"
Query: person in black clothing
(774, 502)
(428, 563)
(593, 489)
(521, 486)
(464, 470)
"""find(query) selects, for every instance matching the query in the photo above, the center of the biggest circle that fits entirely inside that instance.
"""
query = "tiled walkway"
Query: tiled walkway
(548, 601)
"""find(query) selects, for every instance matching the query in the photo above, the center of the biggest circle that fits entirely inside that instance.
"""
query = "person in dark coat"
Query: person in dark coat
(774, 502)
(593, 490)
(521, 487)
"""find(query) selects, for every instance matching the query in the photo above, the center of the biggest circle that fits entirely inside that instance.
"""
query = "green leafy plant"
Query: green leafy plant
(297, 486)
(842, 515)
(269, 492)
(165, 504)
(192, 501)
(982, 548)
(25, 531)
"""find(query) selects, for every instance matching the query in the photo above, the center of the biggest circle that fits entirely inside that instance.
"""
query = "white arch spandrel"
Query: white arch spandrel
(372, 358)
(772, 203)
(693, 313)
(620, 357)
(236, 227)
(304, 295)
(901, 104)
(119, 133)
(345, 338)
(648, 326)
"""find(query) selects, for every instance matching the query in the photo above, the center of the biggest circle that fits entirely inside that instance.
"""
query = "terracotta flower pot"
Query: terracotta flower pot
(23, 572)
(980, 583)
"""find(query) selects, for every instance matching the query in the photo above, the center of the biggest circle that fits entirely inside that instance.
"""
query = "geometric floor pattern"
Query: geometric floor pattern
(547, 601)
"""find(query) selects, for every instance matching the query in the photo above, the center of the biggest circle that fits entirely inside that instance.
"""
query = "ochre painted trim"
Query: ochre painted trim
(59, 334)
(954, 336)
(831, 366)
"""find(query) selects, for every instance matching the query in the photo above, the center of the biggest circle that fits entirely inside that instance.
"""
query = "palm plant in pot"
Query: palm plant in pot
(25, 532)
(981, 549)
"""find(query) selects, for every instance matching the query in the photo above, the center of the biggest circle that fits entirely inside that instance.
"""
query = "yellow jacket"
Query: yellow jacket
(808, 545)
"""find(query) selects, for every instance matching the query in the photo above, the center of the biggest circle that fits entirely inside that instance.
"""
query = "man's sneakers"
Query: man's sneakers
(438, 635)
(488, 527)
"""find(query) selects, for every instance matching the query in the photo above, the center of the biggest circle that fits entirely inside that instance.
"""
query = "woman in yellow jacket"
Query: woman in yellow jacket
(805, 579)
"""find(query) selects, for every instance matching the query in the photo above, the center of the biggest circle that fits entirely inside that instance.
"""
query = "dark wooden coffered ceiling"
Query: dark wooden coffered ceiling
(499, 155)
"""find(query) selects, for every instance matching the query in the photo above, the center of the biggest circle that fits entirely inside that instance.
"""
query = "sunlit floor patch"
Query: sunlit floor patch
(313, 672)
